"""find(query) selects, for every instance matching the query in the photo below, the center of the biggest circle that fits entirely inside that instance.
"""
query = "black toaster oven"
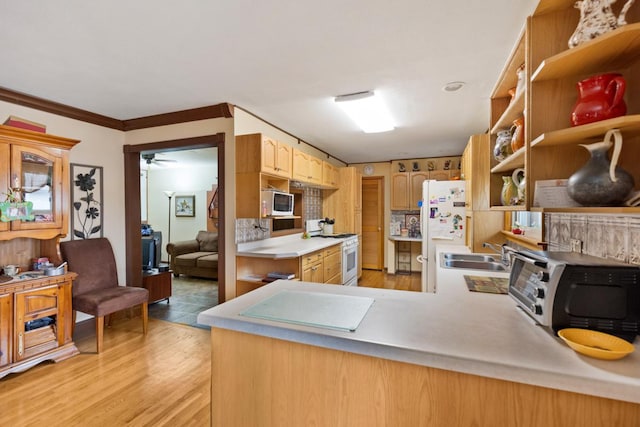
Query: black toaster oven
(572, 290)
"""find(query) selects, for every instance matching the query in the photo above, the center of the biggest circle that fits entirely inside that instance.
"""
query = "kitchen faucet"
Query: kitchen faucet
(503, 250)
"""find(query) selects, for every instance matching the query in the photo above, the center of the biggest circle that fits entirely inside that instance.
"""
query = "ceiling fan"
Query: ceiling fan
(151, 158)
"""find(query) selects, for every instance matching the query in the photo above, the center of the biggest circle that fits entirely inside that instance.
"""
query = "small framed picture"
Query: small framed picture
(411, 220)
(185, 205)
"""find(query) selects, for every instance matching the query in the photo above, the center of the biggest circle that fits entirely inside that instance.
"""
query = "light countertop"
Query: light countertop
(405, 239)
(285, 247)
(453, 329)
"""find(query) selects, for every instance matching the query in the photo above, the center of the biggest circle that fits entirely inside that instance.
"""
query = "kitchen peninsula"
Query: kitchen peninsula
(310, 259)
(451, 358)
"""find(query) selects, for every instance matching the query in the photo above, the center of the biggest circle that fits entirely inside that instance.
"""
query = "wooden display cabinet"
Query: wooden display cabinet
(35, 322)
(552, 149)
(36, 163)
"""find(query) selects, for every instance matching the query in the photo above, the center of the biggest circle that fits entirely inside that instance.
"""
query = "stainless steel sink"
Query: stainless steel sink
(472, 262)
(470, 257)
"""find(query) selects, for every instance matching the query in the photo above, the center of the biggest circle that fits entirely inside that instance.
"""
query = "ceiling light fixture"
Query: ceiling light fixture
(367, 110)
(453, 86)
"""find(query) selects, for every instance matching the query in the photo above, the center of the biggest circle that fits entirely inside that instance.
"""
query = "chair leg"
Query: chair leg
(145, 317)
(99, 332)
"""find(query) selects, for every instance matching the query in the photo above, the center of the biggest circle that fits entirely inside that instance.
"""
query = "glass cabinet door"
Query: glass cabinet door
(38, 176)
(4, 180)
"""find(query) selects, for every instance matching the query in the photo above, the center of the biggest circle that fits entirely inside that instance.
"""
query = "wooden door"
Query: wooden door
(372, 223)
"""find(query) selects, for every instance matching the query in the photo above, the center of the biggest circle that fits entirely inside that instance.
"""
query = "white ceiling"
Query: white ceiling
(282, 60)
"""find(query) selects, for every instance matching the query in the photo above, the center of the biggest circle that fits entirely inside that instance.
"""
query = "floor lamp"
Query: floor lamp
(169, 194)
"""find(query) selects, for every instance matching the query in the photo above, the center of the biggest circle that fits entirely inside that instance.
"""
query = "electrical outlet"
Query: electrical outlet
(576, 245)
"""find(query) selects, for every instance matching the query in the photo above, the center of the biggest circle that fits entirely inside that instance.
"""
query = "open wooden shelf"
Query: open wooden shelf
(524, 240)
(514, 161)
(591, 210)
(513, 111)
(546, 6)
(509, 208)
(592, 132)
(609, 51)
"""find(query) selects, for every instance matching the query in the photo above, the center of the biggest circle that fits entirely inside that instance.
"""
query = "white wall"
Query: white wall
(185, 182)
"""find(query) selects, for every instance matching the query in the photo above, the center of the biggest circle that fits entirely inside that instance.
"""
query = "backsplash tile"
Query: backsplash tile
(251, 229)
(312, 202)
(605, 236)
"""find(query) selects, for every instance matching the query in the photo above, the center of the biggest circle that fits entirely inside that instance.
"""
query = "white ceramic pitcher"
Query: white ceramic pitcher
(597, 18)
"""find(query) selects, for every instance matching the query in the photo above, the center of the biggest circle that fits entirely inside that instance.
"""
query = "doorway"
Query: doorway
(373, 223)
(133, 200)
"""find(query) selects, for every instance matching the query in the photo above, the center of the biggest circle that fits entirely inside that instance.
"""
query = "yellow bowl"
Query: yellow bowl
(596, 344)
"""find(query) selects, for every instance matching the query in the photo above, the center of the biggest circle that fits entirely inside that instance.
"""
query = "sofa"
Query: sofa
(197, 257)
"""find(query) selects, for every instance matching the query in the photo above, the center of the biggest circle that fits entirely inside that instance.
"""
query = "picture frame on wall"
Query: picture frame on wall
(185, 205)
(412, 220)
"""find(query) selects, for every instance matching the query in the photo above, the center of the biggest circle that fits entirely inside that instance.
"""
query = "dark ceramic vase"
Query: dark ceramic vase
(601, 182)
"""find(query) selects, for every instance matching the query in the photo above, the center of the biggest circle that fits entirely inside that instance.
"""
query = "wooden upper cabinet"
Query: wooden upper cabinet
(315, 170)
(330, 175)
(415, 183)
(284, 163)
(400, 191)
(440, 175)
(306, 168)
(259, 153)
(276, 158)
(300, 165)
(406, 189)
(36, 167)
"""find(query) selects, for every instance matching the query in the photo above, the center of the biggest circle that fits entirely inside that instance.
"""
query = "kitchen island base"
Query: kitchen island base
(264, 381)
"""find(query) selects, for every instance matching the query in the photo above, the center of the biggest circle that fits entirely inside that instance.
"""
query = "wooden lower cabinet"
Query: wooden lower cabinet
(312, 267)
(332, 262)
(264, 381)
(321, 266)
(35, 322)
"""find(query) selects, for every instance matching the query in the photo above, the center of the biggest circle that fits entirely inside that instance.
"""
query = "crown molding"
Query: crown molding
(209, 112)
(59, 109)
(202, 113)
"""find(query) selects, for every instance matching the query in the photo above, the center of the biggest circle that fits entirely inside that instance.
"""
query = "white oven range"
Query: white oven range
(349, 247)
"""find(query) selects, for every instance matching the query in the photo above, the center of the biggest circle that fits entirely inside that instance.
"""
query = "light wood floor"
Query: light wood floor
(379, 279)
(162, 379)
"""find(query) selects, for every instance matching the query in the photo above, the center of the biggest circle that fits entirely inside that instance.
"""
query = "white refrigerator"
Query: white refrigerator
(442, 221)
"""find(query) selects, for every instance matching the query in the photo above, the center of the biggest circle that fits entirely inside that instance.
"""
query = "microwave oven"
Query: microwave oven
(276, 203)
(572, 290)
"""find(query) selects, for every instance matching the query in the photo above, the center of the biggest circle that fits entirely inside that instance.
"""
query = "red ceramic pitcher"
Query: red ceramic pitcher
(599, 98)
